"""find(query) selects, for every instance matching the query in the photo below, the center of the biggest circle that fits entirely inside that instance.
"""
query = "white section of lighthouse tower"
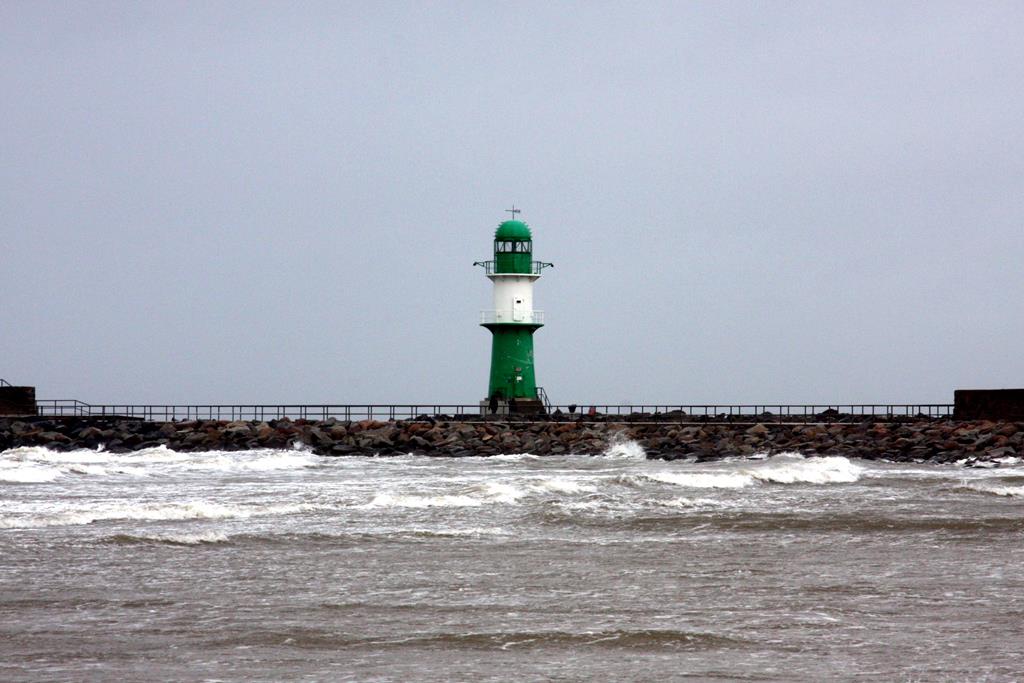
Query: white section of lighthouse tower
(513, 299)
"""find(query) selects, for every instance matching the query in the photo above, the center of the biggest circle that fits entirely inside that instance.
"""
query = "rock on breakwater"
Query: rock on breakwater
(921, 441)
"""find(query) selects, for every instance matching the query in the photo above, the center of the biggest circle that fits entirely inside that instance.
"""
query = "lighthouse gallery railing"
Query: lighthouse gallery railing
(535, 267)
(510, 316)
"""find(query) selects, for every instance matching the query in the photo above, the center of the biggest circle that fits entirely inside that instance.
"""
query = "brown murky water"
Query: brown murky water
(282, 565)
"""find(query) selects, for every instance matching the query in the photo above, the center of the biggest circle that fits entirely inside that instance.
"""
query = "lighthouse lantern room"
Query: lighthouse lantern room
(512, 321)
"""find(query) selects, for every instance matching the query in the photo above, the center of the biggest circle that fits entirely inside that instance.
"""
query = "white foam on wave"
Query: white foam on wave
(28, 473)
(37, 464)
(94, 470)
(264, 461)
(389, 500)
(153, 455)
(560, 485)
(499, 492)
(472, 496)
(996, 490)
(791, 468)
(512, 457)
(149, 512)
(691, 503)
(81, 456)
(24, 453)
(626, 449)
(702, 480)
(779, 469)
(592, 504)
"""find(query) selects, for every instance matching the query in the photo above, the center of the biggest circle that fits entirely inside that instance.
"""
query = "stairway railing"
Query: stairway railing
(543, 397)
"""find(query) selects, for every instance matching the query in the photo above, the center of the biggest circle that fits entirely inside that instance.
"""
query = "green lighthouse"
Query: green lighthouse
(513, 320)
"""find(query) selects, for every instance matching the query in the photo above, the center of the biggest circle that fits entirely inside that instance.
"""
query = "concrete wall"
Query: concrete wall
(17, 400)
(988, 404)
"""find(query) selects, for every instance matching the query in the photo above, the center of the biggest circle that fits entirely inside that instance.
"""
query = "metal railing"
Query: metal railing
(542, 396)
(261, 412)
(5, 383)
(760, 412)
(766, 412)
(511, 316)
(536, 267)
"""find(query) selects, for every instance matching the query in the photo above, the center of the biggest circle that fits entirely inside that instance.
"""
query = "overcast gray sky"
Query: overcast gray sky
(745, 202)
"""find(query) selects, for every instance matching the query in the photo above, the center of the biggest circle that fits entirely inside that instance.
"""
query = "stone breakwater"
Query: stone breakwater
(917, 441)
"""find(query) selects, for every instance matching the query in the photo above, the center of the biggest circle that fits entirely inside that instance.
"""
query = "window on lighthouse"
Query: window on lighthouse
(508, 247)
(518, 314)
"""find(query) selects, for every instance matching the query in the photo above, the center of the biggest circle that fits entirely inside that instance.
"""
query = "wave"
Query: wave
(265, 461)
(386, 500)
(778, 469)
(691, 503)
(472, 496)
(209, 538)
(592, 504)
(995, 489)
(37, 464)
(451, 533)
(642, 640)
(512, 457)
(702, 480)
(96, 456)
(859, 522)
(560, 485)
(155, 454)
(335, 539)
(791, 468)
(151, 512)
(626, 449)
(29, 474)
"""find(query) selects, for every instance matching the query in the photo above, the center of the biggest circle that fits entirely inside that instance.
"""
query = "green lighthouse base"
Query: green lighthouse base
(503, 408)
(512, 373)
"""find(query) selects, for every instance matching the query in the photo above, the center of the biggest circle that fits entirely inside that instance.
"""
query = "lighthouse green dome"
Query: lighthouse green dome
(513, 230)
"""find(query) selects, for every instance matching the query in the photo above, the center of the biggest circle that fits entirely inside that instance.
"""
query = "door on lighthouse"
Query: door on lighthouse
(518, 310)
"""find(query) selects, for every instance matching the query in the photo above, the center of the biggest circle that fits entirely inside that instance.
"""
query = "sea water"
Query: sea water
(272, 565)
